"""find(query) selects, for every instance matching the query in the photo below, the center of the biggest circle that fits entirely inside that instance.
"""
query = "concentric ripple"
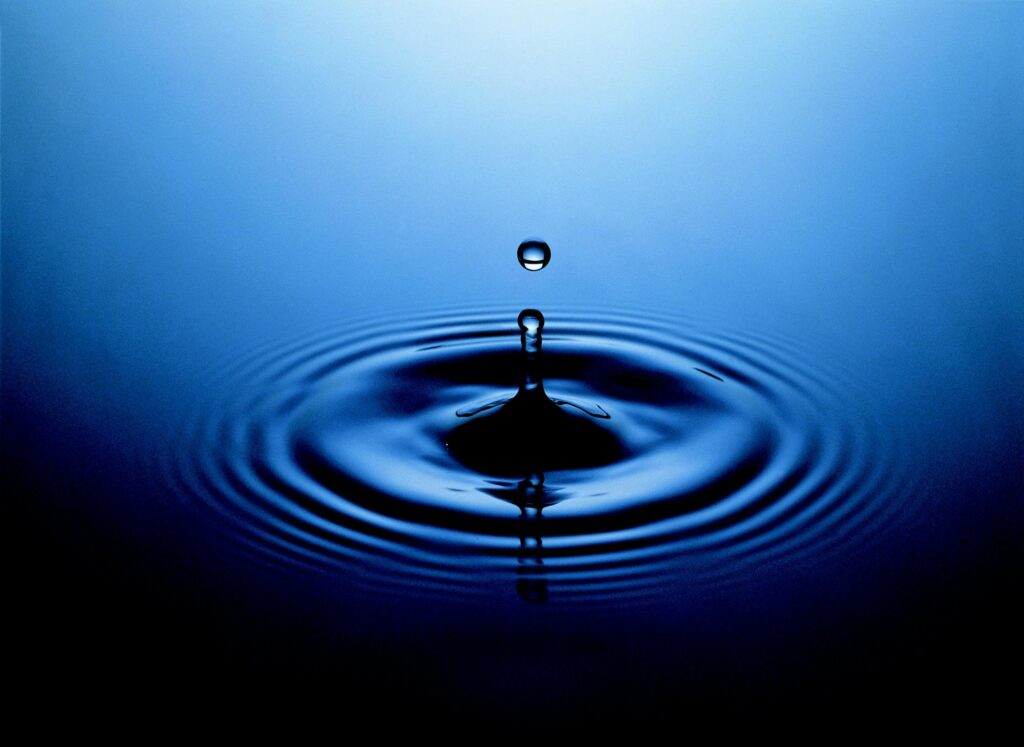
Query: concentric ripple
(329, 454)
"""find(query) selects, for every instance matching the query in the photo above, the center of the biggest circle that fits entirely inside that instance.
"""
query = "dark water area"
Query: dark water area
(667, 366)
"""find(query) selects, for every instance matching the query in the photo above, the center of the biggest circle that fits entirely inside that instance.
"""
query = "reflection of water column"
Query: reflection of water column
(531, 584)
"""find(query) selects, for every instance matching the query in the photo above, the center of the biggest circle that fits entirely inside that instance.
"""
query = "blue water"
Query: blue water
(258, 258)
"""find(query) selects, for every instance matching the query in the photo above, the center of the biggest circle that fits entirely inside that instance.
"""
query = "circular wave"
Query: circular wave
(330, 454)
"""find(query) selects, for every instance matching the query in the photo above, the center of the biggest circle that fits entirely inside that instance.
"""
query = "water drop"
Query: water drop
(534, 255)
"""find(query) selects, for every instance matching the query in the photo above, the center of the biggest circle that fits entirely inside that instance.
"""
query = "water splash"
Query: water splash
(529, 432)
(531, 327)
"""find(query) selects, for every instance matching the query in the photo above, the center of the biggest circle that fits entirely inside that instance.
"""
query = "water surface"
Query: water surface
(256, 258)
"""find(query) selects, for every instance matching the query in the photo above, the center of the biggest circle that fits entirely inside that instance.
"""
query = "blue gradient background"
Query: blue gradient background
(182, 181)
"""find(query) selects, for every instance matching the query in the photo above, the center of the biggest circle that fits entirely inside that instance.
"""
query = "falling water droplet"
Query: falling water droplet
(534, 255)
